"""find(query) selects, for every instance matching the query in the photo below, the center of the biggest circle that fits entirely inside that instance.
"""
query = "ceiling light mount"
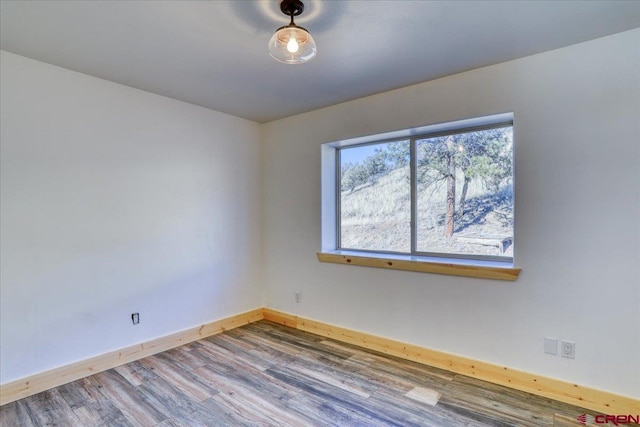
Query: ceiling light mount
(292, 7)
(292, 44)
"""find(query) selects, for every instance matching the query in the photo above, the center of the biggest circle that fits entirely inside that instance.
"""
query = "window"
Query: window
(439, 192)
(375, 197)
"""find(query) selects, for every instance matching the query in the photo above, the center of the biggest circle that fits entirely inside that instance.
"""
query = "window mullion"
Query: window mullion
(338, 201)
(413, 182)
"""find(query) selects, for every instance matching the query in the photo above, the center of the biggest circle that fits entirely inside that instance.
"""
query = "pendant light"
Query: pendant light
(292, 44)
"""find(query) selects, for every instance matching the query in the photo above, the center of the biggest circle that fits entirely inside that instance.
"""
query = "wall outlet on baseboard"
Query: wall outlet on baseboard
(568, 349)
(135, 318)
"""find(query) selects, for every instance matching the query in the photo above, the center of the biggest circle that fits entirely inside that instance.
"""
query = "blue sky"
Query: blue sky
(357, 154)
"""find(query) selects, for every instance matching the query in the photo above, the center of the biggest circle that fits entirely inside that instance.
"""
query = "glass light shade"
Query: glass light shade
(292, 45)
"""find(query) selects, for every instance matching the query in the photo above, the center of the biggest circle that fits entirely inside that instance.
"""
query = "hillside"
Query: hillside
(377, 216)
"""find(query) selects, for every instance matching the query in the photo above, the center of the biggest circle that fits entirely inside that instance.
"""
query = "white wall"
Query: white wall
(117, 201)
(577, 138)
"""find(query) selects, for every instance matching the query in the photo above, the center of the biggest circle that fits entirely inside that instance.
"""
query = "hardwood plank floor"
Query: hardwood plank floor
(264, 374)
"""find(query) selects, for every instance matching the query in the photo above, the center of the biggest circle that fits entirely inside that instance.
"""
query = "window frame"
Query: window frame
(331, 155)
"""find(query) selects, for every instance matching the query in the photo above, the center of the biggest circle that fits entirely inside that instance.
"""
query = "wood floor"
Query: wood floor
(264, 374)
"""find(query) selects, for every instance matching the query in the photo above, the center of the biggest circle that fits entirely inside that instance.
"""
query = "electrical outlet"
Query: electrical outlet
(551, 345)
(569, 349)
(298, 297)
(135, 318)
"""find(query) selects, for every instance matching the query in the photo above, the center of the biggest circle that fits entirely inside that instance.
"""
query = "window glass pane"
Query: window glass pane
(465, 193)
(375, 197)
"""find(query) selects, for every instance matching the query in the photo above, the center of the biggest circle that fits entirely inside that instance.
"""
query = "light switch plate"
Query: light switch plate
(551, 345)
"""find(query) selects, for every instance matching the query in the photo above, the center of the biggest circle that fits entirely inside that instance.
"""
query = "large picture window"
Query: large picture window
(444, 193)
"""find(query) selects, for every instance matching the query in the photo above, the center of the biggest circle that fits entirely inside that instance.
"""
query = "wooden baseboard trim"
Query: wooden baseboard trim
(584, 397)
(37, 383)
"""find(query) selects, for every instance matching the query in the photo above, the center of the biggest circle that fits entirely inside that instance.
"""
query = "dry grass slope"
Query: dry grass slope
(377, 216)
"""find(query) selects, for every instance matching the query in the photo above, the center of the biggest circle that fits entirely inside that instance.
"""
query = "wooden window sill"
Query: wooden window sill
(410, 263)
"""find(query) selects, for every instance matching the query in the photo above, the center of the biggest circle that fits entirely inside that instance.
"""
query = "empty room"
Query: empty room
(319, 213)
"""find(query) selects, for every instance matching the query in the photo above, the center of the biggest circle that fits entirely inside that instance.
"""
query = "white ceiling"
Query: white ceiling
(214, 53)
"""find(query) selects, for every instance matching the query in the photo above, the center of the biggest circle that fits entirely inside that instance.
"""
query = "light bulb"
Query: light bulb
(292, 46)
